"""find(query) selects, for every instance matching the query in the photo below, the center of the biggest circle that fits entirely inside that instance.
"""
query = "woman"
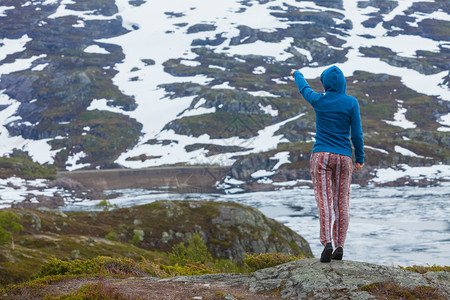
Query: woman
(337, 115)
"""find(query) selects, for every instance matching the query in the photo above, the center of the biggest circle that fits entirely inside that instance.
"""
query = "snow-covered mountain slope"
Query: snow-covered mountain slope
(137, 83)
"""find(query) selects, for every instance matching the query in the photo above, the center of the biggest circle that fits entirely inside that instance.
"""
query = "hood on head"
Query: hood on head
(333, 80)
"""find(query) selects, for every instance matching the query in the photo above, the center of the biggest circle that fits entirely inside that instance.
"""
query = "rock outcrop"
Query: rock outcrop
(311, 279)
(230, 230)
(301, 279)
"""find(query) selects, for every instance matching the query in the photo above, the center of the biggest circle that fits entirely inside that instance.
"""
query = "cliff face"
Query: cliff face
(248, 230)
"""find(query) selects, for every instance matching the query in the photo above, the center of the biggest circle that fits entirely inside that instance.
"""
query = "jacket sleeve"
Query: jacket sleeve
(357, 134)
(304, 88)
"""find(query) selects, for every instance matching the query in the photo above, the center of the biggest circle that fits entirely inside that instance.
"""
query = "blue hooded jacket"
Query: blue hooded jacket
(337, 114)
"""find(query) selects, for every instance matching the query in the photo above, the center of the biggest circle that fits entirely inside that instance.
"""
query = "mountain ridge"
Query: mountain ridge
(75, 79)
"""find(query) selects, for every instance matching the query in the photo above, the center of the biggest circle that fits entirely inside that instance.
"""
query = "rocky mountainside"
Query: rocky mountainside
(104, 84)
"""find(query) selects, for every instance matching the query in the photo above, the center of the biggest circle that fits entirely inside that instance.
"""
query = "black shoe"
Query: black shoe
(326, 253)
(338, 253)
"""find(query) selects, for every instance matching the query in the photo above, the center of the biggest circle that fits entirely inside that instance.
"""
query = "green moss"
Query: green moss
(20, 164)
(220, 124)
(97, 291)
(392, 290)
(33, 288)
(438, 30)
(267, 260)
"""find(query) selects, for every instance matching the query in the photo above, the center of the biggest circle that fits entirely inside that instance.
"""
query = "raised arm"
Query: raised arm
(304, 88)
(357, 134)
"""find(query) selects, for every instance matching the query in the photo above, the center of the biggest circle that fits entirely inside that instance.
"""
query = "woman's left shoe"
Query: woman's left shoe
(326, 253)
(338, 253)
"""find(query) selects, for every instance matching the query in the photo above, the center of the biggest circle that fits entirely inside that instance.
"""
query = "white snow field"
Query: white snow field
(154, 35)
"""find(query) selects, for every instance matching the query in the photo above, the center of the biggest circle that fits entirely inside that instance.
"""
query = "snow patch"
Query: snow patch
(190, 63)
(261, 94)
(268, 110)
(305, 53)
(217, 67)
(3, 9)
(40, 67)
(15, 190)
(264, 180)
(416, 173)
(279, 81)
(233, 181)
(96, 49)
(63, 11)
(443, 129)
(72, 161)
(276, 50)
(376, 149)
(224, 85)
(445, 122)
(39, 150)
(11, 46)
(19, 64)
(259, 70)
(79, 24)
(400, 118)
(282, 157)
(406, 152)
(50, 2)
(262, 173)
(102, 104)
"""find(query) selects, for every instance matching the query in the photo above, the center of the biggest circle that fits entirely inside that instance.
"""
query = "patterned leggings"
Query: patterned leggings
(331, 175)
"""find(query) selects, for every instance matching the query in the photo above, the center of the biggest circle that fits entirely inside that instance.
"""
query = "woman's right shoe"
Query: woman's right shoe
(326, 253)
(338, 253)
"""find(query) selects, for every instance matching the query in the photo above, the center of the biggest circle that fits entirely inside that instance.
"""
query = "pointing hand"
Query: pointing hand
(292, 72)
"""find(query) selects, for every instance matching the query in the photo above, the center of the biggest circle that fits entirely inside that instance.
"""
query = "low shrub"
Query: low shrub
(424, 269)
(112, 236)
(267, 260)
(105, 205)
(102, 265)
(137, 237)
(391, 290)
(99, 265)
(196, 251)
